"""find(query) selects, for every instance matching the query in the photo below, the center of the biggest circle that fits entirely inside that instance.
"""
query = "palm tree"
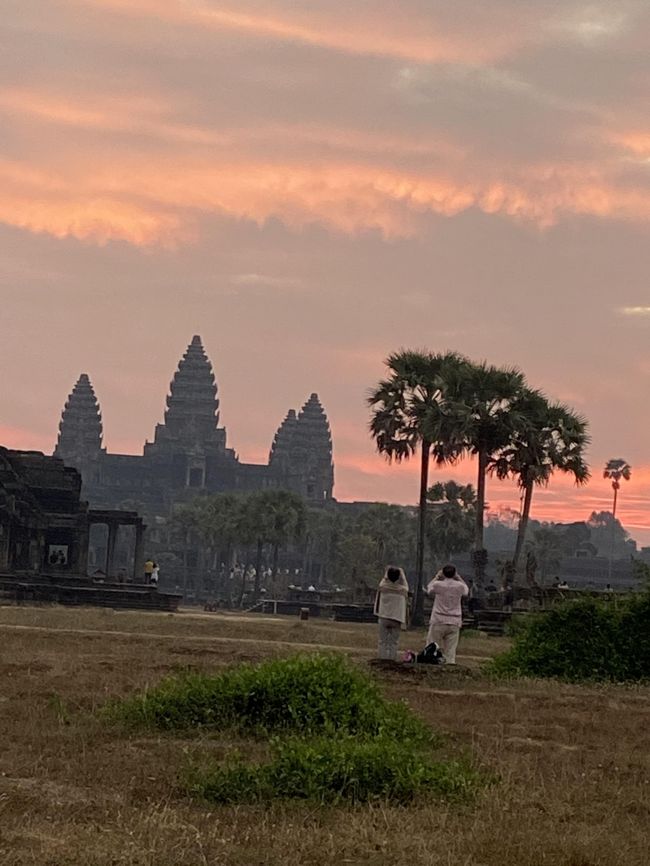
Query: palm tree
(482, 400)
(547, 551)
(549, 437)
(287, 522)
(450, 523)
(409, 414)
(616, 469)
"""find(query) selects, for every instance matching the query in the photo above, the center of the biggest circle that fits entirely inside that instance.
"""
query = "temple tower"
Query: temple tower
(79, 443)
(301, 454)
(190, 436)
(280, 455)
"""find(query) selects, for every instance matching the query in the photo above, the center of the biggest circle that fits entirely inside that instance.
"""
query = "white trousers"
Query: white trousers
(446, 636)
(389, 630)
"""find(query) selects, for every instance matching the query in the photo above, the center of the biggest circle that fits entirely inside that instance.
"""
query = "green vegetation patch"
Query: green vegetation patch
(337, 771)
(584, 640)
(334, 737)
(303, 695)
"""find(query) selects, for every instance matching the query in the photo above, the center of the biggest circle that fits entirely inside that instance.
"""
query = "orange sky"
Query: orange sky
(310, 186)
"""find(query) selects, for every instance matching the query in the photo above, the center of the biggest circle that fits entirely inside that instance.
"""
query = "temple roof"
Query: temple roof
(80, 428)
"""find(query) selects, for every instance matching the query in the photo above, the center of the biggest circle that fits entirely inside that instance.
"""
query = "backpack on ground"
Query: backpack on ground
(430, 655)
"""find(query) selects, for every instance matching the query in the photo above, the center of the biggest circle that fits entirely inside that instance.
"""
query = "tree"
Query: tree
(409, 413)
(450, 519)
(208, 523)
(607, 533)
(617, 469)
(546, 437)
(482, 406)
(287, 522)
(389, 527)
(547, 550)
(272, 517)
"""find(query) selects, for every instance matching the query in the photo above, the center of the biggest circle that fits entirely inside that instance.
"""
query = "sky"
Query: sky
(312, 185)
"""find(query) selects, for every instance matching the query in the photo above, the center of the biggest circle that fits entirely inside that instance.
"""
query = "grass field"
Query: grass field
(573, 762)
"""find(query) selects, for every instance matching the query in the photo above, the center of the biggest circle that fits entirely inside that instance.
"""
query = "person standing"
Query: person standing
(148, 570)
(447, 589)
(154, 574)
(391, 609)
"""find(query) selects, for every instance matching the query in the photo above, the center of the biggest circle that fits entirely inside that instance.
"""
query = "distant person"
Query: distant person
(447, 589)
(154, 574)
(609, 588)
(563, 585)
(391, 606)
(148, 570)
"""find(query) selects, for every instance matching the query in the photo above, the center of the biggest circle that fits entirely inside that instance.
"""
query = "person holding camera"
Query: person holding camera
(447, 590)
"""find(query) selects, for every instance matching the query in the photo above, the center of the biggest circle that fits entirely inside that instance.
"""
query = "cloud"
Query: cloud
(149, 200)
(322, 183)
(421, 36)
(265, 282)
(592, 24)
(635, 311)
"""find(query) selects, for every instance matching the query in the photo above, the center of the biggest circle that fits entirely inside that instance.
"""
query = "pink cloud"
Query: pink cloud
(422, 38)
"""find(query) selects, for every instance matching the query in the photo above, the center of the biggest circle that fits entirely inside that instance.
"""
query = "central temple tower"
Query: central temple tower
(192, 413)
(190, 439)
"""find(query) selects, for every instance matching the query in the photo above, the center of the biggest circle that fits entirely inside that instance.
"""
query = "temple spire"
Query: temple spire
(80, 428)
(192, 413)
(281, 449)
(301, 454)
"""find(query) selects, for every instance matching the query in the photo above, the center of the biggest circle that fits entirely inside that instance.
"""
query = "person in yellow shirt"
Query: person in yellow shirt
(148, 570)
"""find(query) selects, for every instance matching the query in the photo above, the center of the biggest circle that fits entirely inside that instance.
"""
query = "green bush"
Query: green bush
(303, 695)
(333, 771)
(584, 640)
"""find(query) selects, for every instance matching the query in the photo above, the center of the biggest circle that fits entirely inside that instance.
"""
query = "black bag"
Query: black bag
(430, 655)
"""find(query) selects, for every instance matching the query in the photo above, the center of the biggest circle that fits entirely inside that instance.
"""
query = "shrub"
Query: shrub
(304, 695)
(583, 640)
(333, 771)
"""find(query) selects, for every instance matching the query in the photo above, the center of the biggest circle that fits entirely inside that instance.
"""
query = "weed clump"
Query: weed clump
(584, 640)
(301, 696)
(334, 772)
(334, 737)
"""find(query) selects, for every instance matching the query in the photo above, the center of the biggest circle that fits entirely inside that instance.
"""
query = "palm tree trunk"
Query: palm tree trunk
(611, 540)
(242, 592)
(479, 554)
(523, 522)
(417, 616)
(274, 567)
(258, 568)
(480, 500)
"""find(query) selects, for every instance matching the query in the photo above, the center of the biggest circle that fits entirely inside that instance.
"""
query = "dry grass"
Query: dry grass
(574, 761)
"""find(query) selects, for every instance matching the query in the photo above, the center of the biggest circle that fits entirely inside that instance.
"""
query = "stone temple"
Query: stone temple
(189, 453)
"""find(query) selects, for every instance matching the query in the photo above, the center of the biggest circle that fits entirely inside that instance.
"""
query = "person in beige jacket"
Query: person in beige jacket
(391, 609)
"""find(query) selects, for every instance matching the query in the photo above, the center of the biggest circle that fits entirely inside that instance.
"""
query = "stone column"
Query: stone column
(138, 557)
(82, 552)
(113, 528)
(5, 531)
